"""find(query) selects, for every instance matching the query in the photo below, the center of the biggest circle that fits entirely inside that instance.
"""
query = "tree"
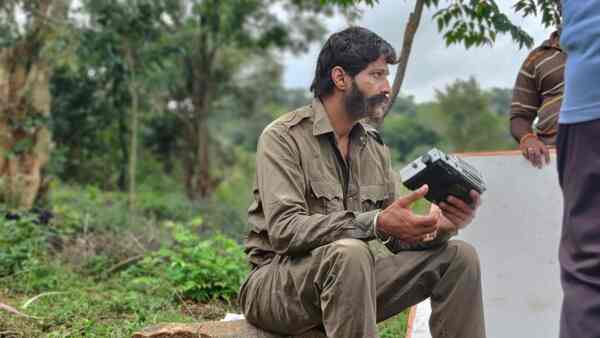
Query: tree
(404, 134)
(466, 120)
(28, 50)
(89, 115)
(467, 22)
(134, 28)
(404, 105)
(500, 100)
(217, 43)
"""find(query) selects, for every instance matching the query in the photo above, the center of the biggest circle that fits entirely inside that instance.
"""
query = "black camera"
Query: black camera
(445, 175)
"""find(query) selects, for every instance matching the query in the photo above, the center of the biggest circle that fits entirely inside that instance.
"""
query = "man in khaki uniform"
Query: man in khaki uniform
(324, 187)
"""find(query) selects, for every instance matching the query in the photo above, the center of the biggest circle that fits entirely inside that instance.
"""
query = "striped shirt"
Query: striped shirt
(539, 87)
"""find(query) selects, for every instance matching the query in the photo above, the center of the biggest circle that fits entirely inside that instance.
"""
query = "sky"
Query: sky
(432, 65)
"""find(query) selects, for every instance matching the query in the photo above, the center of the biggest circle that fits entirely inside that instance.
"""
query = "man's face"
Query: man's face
(369, 94)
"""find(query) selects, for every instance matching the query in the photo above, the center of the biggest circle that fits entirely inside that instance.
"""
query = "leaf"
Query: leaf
(45, 294)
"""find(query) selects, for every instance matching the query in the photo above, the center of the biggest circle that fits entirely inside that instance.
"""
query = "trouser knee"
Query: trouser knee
(350, 257)
(352, 251)
(466, 259)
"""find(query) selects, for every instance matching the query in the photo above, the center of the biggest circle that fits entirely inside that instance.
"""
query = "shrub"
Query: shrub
(22, 238)
(200, 270)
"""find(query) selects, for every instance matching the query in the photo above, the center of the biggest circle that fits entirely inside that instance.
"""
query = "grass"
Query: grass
(88, 307)
(107, 309)
(394, 327)
(66, 292)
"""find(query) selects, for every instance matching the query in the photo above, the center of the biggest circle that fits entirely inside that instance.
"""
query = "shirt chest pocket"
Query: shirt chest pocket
(325, 198)
(374, 196)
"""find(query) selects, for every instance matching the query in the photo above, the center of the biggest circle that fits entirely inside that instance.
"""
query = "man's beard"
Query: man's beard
(359, 106)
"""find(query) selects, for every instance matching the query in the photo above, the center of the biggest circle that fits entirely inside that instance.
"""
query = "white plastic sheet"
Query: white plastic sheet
(516, 234)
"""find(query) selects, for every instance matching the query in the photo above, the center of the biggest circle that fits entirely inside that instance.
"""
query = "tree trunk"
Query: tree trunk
(25, 100)
(409, 35)
(24, 137)
(199, 180)
(133, 91)
(205, 181)
(124, 158)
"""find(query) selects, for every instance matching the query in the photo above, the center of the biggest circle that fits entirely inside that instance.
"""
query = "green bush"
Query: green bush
(163, 205)
(200, 270)
(83, 209)
(22, 239)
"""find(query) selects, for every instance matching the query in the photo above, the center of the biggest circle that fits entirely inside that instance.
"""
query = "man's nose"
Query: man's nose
(386, 88)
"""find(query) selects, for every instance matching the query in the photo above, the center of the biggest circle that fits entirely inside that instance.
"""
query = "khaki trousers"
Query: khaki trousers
(343, 289)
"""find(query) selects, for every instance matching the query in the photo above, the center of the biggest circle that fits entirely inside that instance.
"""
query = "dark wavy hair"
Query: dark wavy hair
(353, 49)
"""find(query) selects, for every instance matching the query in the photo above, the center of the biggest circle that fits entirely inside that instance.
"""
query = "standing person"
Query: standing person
(324, 187)
(578, 148)
(538, 93)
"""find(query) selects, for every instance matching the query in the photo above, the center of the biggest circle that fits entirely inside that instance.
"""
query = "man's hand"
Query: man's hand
(535, 151)
(398, 220)
(455, 214)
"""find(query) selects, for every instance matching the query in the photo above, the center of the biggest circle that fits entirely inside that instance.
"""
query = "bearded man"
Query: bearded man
(324, 187)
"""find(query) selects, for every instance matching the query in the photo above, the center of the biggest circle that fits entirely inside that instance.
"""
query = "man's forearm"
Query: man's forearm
(294, 232)
(519, 127)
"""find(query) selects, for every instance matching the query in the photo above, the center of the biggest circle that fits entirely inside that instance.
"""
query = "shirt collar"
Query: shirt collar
(322, 125)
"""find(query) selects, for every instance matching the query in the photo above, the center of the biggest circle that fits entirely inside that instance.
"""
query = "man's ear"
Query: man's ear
(340, 79)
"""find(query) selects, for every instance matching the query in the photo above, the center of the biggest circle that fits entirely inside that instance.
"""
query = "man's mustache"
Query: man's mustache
(379, 99)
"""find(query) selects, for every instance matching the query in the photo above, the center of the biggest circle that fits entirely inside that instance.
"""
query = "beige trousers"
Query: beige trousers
(343, 289)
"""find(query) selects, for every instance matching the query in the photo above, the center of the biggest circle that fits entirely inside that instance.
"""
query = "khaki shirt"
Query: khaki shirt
(539, 88)
(306, 195)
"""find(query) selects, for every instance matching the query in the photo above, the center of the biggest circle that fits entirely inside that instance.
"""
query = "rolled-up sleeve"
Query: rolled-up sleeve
(282, 188)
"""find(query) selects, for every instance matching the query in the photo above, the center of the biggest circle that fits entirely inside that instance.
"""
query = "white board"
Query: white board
(516, 233)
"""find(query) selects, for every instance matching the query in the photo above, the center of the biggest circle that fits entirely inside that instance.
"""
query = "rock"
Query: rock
(230, 329)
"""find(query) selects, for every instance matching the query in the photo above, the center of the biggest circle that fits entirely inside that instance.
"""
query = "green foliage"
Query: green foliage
(88, 123)
(200, 270)
(348, 3)
(79, 210)
(90, 209)
(463, 118)
(476, 22)
(87, 299)
(404, 105)
(22, 241)
(394, 327)
(227, 209)
(500, 100)
(548, 9)
(226, 75)
(404, 134)
(468, 124)
(86, 307)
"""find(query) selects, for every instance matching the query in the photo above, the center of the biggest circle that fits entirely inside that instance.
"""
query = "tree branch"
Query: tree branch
(409, 36)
